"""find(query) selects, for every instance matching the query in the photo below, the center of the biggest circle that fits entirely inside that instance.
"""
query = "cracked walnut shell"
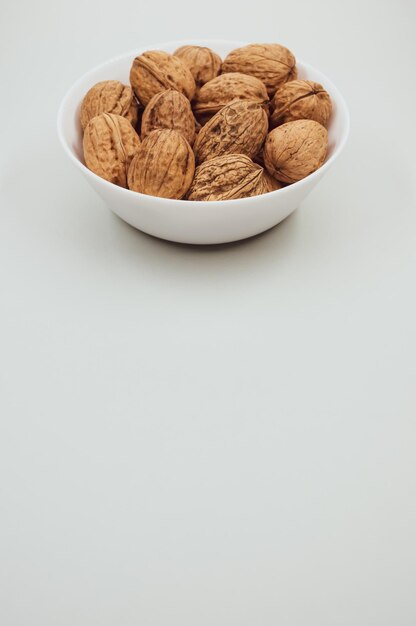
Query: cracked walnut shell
(273, 64)
(109, 96)
(228, 177)
(224, 89)
(238, 128)
(110, 142)
(164, 166)
(169, 109)
(156, 71)
(295, 150)
(203, 62)
(301, 100)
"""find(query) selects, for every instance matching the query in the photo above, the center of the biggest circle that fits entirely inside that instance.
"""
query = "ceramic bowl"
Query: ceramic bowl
(181, 220)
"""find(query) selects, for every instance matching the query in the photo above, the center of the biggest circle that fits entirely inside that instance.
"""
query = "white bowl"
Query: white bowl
(182, 220)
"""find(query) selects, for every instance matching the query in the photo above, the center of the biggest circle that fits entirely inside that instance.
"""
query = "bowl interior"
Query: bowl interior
(69, 127)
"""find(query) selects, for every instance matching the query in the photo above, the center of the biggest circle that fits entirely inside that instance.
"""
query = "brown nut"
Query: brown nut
(169, 109)
(259, 158)
(301, 100)
(271, 183)
(226, 178)
(295, 150)
(224, 89)
(156, 71)
(238, 128)
(164, 166)
(273, 64)
(110, 142)
(109, 96)
(203, 62)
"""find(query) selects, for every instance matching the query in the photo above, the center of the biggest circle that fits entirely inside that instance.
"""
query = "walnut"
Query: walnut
(295, 150)
(110, 142)
(301, 100)
(156, 71)
(259, 158)
(109, 96)
(164, 166)
(271, 183)
(203, 62)
(226, 178)
(224, 89)
(238, 128)
(169, 109)
(273, 64)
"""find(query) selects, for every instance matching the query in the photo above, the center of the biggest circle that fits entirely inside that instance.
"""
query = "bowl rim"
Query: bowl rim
(197, 203)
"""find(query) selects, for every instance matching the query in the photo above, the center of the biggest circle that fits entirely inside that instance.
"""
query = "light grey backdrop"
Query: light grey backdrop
(199, 437)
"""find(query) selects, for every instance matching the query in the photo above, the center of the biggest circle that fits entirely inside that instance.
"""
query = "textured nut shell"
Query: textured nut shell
(296, 149)
(169, 109)
(271, 183)
(273, 64)
(301, 100)
(109, 96)
(203, 62)
(156, 71)
(110, 142)
(224, 89)
(238, 128)
(226, 178)
(164, 165)
(259, 158)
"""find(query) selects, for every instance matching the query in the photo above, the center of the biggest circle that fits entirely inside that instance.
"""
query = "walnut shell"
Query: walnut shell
(295, 150)
(156, 71)
(203, 62)
(271, 183)
(164, 166)
(224, 89)
(110, 142)
(169, 109)
(109, 96)
(226, 178)
(301, 100)
(273, 64)
(259, 158)
(238, 128)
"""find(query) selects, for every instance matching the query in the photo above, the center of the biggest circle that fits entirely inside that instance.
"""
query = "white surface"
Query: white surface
(199, 437)
(185, 221)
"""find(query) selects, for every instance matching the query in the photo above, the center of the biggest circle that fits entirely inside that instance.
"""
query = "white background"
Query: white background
(208, 437)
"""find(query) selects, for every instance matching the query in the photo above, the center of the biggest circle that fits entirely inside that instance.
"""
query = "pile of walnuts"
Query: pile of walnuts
(196, 127)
